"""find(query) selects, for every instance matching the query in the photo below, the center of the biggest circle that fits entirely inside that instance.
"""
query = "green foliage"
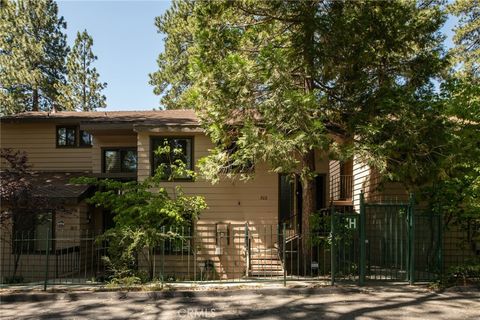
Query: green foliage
(83, 90)
(279, 79)
(467, 47)
(462, 274)
(32, 55)
(143, 211)
(321, 229)
(455, 191)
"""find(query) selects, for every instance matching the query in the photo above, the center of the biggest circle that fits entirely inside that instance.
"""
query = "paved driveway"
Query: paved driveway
(379, 302)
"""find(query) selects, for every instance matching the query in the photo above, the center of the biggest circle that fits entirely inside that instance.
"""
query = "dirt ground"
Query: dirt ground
(275, 302)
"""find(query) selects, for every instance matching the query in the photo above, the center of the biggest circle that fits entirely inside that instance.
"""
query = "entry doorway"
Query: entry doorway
(291, 196)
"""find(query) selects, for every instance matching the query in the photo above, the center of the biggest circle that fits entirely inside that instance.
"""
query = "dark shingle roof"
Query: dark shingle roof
(55, 185)
(160, 117)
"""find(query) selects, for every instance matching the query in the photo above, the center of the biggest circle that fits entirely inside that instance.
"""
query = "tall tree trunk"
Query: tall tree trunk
(35, 99)
(308, 192)
(308, 159)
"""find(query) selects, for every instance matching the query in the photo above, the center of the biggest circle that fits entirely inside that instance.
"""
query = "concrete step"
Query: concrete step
(266, 268)
(266, 274)
(264, 260)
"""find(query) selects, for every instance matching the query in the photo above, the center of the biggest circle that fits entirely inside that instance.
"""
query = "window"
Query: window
(85, 139)
(66, 136)
(30, 235)
(71, 136)
(120, 160)
(181, 143)
(244, 166)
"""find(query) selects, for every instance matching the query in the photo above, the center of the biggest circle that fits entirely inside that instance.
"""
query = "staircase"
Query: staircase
(265, 263)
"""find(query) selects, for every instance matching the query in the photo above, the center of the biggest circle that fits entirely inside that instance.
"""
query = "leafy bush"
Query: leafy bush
(142, 211)
(464, 273)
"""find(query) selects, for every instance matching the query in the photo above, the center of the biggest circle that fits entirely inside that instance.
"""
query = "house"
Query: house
(238, 235)
(120, 145)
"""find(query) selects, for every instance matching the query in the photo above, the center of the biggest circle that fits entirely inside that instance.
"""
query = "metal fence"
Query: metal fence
(67, 258)
(386, 241)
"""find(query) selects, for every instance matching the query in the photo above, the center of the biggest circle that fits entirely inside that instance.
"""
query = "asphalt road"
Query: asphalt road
(373, 302)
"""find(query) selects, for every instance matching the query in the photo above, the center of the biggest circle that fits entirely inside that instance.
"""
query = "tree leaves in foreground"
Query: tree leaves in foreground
(467, 35)
(456, 190)
(22, 207)
(146, 213)
(273, 81)
(32, 55)
(83, 90)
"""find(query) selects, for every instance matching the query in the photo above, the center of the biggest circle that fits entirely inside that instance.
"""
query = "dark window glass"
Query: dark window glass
(112, 161)
(85, 139)
(232, 166)
(129, 160)
(66, 136)
(30, 234)
(183, 144)
(120, 160)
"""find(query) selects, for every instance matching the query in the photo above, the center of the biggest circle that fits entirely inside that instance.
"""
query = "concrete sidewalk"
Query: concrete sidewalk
(273, 302)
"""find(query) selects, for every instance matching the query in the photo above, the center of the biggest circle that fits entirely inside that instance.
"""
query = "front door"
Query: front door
(291, 196)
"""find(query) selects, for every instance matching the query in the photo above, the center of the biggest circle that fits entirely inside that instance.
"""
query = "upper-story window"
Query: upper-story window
(119, 160)
(185, 144)
(71, 136)
(85, 139)
(66, 136)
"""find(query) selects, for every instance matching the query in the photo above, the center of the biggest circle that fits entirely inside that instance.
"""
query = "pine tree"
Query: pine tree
(83, 89)
(32, 55)
(467, 36)
(277, 78)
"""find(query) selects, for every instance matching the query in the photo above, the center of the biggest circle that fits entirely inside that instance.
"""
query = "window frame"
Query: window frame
(31, 246)
(77, 143)
(118, 149)
(192, 155)
(80, 145)
(247, 169)
(58, 127)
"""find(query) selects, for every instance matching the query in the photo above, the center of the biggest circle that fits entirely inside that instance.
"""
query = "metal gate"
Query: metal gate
(387, 241)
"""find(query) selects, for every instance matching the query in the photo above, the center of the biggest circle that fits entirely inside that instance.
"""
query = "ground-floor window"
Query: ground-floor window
(33, 233)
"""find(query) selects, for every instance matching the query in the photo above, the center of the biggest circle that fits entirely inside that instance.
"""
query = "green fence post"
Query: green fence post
(440, 245)
(332, 246)
(412, 238)
(247, 251)
(47, 252)
(361, 279)
(284, 244)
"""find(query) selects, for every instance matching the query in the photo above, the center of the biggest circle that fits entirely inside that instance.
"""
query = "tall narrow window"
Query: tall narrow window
(85, 139)
(175, 143)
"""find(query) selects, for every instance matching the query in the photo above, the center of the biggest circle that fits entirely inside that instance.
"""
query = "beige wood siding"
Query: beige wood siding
(369, 180)
(236, 201)
(255, 201)
(39, 141)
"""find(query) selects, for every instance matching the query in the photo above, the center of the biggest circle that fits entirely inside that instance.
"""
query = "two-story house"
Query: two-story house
(121, 145)
(238, 235)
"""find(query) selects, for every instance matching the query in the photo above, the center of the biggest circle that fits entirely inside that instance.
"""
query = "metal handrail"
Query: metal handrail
(342, 187)
(247, 250)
